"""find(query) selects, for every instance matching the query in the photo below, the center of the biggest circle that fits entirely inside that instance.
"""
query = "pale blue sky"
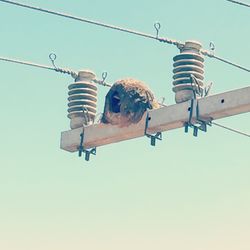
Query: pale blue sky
(187, 193)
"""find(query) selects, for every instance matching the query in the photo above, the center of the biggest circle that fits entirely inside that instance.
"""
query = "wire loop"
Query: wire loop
(104, 76)
(212, 47)
(157, 27)
(52, 57)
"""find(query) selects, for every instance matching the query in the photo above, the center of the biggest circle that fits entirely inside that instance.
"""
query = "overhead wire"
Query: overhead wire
(86, 20)
(239, 2)
(26, 63)
(178, 44)
(60, 70)
(230, 129)
(54, 68)
(212, 55)
(230, 63)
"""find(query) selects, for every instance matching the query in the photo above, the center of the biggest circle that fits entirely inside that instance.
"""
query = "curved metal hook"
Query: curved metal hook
(157, 27)
(212, 46)
(197, 89)
(104, 75)
(52, 57)
(208, 88)
(86, 115)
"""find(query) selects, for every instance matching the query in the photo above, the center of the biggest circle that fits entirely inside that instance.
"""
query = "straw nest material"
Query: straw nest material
(127, 101)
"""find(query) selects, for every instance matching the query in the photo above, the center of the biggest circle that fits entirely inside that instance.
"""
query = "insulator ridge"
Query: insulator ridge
(82, 100)
(188, 64)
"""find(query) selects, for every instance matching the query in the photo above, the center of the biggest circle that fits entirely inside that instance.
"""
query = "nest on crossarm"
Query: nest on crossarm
(127, 101)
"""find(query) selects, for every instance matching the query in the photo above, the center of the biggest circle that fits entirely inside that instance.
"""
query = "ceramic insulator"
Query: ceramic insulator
(188, 62)
(82, 96)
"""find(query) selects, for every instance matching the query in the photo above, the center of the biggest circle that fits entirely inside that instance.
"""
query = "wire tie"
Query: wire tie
(157, 27)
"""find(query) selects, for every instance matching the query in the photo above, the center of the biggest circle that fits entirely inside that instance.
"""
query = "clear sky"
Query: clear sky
(186, 193)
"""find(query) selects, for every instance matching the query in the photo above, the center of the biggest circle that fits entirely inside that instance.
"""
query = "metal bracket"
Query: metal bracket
(81, 149)
(154, 137)
(200, 124)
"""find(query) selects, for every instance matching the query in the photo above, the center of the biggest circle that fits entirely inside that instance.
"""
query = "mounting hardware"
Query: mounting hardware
(199, 123)
(52, 57)
(153, 137)
(104, 76)
(81, 149)
(212, 47)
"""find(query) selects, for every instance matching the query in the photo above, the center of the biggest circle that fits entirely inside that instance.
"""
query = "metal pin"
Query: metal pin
(195, 131)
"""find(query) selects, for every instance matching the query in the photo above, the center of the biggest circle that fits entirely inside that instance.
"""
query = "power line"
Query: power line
(239, 2)
(26, 63)
(230, 63)
(231, 129)
(178, 44)
(210, 54)
(60, 70)
(166, 40)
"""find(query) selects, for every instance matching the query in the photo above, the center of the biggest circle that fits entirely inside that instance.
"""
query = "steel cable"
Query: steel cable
(138, 33)
(239, 2)
(60, 70)
(56, 69)
(231, 129)
(27, 63)
(211, 55)
(178, 44)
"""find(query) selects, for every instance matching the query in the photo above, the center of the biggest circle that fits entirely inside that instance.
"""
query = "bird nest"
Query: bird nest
(127, 101)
